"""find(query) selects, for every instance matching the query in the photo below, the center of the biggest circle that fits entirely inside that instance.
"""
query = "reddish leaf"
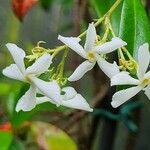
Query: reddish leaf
(6, 127)
(21, 7)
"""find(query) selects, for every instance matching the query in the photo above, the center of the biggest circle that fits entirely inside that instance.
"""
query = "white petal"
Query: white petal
(81, 70)
(122, 96)
(90, 37)
(49, 89)
(28, 101)
(78, 102)
(40, 100)
(109, 69)
(13, 72)
(110, 46)
(147, 91)
(143, 59)
(73, 43)
(18, 55)
(70, 93)
(123, 78)
(147, 75)
(41, 65)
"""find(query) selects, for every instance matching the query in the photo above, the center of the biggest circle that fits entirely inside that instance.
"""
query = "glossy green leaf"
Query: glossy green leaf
(5, 140)
(134, 25)
(102, 6)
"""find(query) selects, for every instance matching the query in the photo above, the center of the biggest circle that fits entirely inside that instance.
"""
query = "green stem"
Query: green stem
(114, 6)
(63, 63)
(57, 50)
(128, 54)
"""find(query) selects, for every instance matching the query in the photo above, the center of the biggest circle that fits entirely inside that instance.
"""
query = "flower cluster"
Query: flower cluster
(50, 91)
(94, 51)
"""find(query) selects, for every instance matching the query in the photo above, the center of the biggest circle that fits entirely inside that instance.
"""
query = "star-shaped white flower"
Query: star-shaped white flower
(91, 53)
(142, 83)
(17, 71)
(70, 99)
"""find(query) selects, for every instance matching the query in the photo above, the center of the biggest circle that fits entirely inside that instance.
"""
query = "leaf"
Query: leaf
(21, 7)
(5, 140)
(134, 26)
(103, 6)
(5, 88)
(46, 4)
(48, 136)
(6, 126)
(16, 145)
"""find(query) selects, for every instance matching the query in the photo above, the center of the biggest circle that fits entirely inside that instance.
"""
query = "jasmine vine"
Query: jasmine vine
(95, 50)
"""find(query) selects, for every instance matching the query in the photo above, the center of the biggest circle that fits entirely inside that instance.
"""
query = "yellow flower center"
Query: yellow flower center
(91, 56)
(28, 79)
(145, 82)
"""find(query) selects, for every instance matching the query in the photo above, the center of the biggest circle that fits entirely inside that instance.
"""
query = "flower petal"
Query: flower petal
(40, 100)
(49, 89)
(122, 96)
(70, 93)
(90, 37)
(143, 59)
(109, 69)
(147, 75)
(73, 43)
(123, 78)
(41, 65)
(147, 91)
(81, 70)
(13, 72)
(78, 102)
(28, 101)
(110, 46)
(18, 55)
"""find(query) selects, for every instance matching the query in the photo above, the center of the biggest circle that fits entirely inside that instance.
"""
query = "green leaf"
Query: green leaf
(16, 145)
(5, 140)
(5, 88)
(103, 6)
(46, 4)
(51, 136)
(134, 25)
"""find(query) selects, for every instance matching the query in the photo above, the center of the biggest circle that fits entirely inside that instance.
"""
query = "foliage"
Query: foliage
(135, 30)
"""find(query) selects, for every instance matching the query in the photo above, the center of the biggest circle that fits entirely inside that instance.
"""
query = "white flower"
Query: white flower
(91, 53)
(142, 83)
(70, 99)
(17, 71)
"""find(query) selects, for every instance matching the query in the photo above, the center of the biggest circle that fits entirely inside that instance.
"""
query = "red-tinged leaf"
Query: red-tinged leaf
(21, 7)
(6, 127)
